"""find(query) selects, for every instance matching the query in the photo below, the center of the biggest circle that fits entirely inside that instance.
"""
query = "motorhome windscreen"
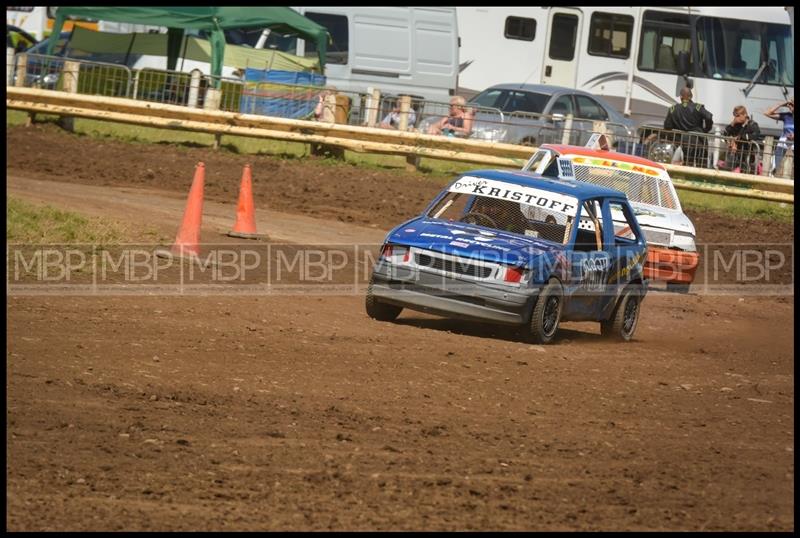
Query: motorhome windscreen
(640, 188)
(509, 208)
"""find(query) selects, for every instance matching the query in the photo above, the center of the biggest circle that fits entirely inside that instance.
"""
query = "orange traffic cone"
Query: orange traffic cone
(188, 238)
(245, 226)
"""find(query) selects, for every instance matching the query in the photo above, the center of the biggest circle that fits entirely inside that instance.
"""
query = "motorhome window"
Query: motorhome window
(610, 35)
(589, 109)
(734, 50)
(337, 27)
(521, 28)
(563, 32)
(664, 35)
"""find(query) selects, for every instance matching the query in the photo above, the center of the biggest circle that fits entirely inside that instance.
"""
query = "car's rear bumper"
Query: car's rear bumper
(450, 296)
(671, 265)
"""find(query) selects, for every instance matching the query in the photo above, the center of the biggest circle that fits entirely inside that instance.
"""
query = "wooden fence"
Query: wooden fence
(412, 145)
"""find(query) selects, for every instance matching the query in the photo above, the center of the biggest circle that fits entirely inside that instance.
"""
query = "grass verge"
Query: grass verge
(34, 224)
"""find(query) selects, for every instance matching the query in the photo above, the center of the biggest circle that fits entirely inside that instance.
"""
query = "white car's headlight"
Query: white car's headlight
(683, 241)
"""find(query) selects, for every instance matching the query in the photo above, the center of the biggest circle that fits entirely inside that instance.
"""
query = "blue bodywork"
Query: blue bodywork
(455, 268)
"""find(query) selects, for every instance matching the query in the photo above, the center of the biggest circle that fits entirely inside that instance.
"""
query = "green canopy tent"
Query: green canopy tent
(214, 20)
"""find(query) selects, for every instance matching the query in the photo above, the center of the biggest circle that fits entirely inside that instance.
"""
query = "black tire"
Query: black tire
(546, 313)
(380, 311)
(625, 318)
(677, 287)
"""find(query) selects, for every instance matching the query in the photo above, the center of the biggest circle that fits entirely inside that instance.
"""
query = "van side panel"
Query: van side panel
(435, 54)
(381, 41)
(399, 50)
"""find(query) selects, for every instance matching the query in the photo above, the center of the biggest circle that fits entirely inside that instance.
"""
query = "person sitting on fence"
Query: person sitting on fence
(392, 119)
(323, 111)
(745, 135)
(786, 140)
(458, 122)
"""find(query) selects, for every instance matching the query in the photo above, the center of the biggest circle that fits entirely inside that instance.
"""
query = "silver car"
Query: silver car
(533, 114)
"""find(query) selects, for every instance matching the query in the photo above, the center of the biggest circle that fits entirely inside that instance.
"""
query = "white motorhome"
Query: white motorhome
(400, 50)
(633, 56)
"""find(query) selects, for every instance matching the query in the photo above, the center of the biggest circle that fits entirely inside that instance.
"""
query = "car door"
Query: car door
(562, 105)
(627, 249)
(589, 111)
(561, 54)
(589, 262)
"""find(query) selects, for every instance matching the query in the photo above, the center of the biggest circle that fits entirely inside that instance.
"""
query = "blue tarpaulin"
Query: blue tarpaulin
(286, 94)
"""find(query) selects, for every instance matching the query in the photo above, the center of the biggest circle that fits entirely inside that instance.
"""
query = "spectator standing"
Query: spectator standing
(690, 117)
(745, 135)
(786, 140)
(458, 122)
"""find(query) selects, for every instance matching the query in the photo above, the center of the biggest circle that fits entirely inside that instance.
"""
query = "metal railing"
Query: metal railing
(713, 152)
(75, 76)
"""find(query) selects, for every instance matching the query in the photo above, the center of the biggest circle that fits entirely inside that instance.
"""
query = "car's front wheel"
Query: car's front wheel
(546, 313)
(378, 310)
(625, 318)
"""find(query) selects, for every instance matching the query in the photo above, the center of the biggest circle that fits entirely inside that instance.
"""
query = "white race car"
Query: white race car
(672, 252)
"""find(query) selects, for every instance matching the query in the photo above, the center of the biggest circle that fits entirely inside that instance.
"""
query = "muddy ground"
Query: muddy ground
(294, 411)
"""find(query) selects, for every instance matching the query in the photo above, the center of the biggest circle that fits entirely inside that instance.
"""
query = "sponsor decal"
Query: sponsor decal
(409, 230)
(459, 244)
(435, 236)
(620, 165)
(594, 273)
(530, 196)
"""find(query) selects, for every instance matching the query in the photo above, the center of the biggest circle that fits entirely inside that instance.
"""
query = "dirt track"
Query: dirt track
(299, 413)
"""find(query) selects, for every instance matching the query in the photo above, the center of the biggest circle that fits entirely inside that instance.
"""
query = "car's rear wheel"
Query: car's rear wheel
(546, 313)
(378, 310)
(625, 318)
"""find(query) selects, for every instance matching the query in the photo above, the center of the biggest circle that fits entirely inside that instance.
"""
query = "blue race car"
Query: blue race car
(517, 248)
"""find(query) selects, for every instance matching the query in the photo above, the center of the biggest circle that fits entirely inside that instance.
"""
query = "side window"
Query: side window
(563, 105)
(521, 28)
(340, 35)
(562, 37)
(610, 35)
(624, 231)
(664, 35)
(590, 228)
(590, 109)
(491, 99)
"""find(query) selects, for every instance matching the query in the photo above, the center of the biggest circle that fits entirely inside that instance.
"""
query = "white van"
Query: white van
(399, 50)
